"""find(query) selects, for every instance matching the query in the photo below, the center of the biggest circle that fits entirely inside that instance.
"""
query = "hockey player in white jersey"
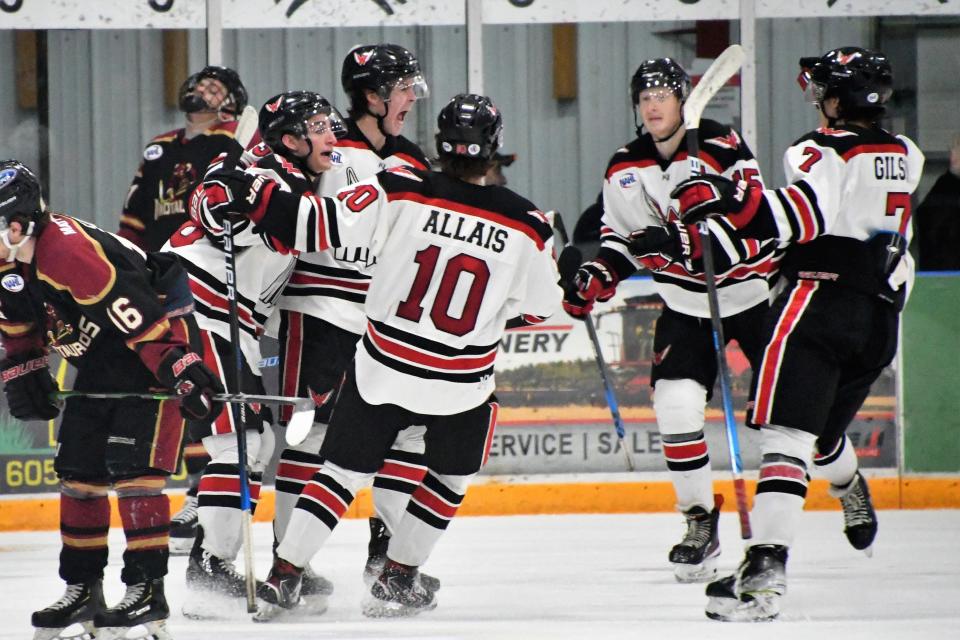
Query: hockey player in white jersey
(300, 131)
(845, 218)
(636, 195)
(456, 260)
(322, 315)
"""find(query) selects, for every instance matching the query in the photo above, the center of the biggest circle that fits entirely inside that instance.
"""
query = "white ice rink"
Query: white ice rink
(575, 577)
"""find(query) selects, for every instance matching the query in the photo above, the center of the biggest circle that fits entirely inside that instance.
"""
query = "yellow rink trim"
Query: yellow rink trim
(503, 499)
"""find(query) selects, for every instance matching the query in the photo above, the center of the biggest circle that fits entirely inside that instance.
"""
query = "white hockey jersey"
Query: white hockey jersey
(636, 194)
(263, 265)
(848, 185)
(455, 262)
(333, 285)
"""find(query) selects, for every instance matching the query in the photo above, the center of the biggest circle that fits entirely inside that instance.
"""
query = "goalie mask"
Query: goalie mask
(20, 203)
(470, 126)
(233, 102)
(861, 80)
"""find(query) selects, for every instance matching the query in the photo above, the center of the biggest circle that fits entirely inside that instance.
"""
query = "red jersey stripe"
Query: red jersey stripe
(404, 352)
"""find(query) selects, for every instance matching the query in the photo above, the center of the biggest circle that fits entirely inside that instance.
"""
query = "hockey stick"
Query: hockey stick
(568, 263)
(246, 128)
(303, 408)
(715, 77)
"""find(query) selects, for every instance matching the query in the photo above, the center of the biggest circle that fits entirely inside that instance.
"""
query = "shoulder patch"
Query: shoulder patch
(12, 282)
(152, 152)
(730, 141)
(405, 172)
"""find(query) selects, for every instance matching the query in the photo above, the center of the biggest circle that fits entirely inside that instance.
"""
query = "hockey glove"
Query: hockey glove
(658, 247)
(707, 195)
(30, 388)
(232, 191)
(193, 382)
(594, 280)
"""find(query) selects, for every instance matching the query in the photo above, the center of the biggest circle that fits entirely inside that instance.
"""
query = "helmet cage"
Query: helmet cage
(234, 101)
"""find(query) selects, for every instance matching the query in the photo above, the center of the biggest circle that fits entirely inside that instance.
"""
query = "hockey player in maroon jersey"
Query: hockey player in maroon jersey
(300, 129)
(156, 205)
(845, 219)
(456, 260)
(322, 306)
(122, 318)
(636, 195)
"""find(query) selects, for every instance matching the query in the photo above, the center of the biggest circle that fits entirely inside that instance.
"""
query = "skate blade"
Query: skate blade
(156, 630)
(868, 551)
(84, 631)
(376, 608)
(307, 607)
(181, 546)
(209, 605)
(755, 608)
(706, 571)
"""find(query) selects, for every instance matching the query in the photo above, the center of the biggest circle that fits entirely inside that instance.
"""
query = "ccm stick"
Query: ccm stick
(722, 69)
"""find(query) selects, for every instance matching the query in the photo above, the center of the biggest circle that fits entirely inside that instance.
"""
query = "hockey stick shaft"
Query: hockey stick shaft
(608, 389)
(722, 69)
(298, 403)
(246, 127)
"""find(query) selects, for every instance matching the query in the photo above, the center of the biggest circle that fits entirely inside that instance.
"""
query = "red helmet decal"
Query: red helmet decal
(273, 106)
(363, 57)
(844, 59)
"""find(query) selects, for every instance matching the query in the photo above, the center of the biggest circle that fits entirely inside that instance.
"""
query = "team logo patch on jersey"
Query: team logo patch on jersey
(12, 282)
(660, 356)
(336, 157)
(152, 152)
(363, 57)
(627, 180)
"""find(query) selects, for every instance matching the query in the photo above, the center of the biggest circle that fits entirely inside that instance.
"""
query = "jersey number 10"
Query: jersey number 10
(412, 308)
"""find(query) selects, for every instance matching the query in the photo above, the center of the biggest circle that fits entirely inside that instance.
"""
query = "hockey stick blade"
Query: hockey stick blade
(300, 424)
(246, 126)
(722, 69)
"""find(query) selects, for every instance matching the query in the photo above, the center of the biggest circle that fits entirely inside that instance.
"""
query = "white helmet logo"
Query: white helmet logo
(872, 97)
(6, 176)
(473, 149)
(447, 147)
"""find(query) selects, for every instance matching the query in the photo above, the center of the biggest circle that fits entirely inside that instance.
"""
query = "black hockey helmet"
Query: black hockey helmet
(236, 98)
(20, 198)
(471, 126)
(862, 80)
(660, 72)
(379, 67)
(289, 112)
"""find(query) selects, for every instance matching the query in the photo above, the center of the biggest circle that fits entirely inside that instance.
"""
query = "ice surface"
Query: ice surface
(575, 577)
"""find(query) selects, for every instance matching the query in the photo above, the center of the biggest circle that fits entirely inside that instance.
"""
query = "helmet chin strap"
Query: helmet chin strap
(14, 247)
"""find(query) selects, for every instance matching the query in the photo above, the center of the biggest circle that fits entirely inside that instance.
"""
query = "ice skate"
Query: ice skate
(753, 593)
(280, 592)
(141, 615)
(77, 606)
(220, 590)
(859, 516)
(694, 559)
(377, 557)
(183, 527)
(397, 593)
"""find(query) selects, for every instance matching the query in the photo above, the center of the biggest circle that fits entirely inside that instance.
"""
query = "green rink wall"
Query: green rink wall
(931, 375)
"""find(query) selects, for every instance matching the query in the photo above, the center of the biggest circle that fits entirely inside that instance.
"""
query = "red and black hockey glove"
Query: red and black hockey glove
(709, 194)
(593, 281)
(233, 191)
(658, 247)
(30, 387)
(193, 382)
